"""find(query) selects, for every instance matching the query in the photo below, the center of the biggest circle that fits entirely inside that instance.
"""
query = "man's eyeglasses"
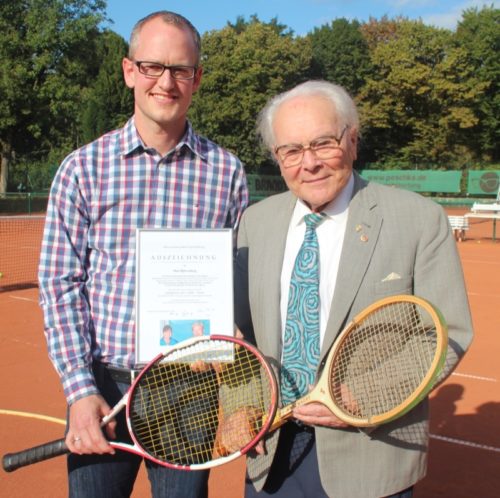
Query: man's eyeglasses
(155, 70)
(327, 147)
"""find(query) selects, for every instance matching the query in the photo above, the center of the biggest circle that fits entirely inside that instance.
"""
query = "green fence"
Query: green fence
(262, 186)
(446, 187)
(28, 203)
(483, 183)
(443, 182)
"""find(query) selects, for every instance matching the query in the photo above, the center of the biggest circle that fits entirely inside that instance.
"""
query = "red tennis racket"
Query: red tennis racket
(178, 402)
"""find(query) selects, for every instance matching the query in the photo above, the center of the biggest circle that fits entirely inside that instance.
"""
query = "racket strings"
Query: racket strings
(384, 360)
(176, 410)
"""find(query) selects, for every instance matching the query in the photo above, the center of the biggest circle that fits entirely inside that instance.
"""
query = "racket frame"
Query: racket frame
(221, 460)
(322, 391)
(13, 461)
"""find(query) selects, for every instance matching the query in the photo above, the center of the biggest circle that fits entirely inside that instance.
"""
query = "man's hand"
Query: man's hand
(238, 430)
(317, 414)
(85, 434)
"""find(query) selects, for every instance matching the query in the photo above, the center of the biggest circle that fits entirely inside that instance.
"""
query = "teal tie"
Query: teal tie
(301, 341)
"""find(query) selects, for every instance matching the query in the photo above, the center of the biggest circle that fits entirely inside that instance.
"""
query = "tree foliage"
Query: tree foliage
(108, 103)
(46, 47)
(479, 35)
(426, 95)
(419, 99)
(340, 54)
(244, 66)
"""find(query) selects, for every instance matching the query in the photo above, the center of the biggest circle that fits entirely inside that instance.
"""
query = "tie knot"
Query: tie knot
(313, 220)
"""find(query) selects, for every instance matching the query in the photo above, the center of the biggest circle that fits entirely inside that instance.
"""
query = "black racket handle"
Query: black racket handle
(13, 461)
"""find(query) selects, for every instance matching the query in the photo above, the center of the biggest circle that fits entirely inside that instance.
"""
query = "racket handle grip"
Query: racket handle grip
(13, 461)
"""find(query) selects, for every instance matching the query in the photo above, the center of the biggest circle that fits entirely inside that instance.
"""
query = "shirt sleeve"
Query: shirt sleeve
(240, 197)
(62, 281)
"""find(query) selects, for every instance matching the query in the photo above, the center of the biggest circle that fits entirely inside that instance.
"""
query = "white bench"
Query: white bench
(459, 224)
(489, 211)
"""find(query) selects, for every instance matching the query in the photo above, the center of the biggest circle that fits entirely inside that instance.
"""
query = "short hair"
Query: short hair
(343, 103)
(168, 18)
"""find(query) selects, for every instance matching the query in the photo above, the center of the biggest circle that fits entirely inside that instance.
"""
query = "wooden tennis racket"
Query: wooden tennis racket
(179, 400)
(384, 362)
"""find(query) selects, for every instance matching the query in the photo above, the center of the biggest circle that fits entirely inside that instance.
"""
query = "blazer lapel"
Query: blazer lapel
(362, 230)
(270, 260)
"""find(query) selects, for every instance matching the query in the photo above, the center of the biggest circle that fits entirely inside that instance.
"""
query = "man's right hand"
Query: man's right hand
(85, 435)
(237, 430)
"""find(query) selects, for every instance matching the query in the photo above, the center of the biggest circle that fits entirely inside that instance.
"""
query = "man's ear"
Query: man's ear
(197, 79)
(353, 142)
(128, 72)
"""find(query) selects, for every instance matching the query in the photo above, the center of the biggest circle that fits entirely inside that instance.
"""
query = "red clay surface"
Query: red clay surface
(464, 458)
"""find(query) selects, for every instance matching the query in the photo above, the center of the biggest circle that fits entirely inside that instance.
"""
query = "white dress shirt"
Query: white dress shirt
(330, 235)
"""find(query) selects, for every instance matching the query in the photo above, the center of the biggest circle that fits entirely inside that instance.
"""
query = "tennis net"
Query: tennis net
(20, 240)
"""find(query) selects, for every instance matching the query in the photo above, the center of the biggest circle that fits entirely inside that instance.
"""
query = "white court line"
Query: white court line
(461, 442)
(38, 416)
(475, 261)
(476, 377)
(24, 299)
(31, 344)
(496, 296)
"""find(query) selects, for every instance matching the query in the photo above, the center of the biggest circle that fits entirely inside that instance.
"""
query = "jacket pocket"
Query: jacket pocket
(402, 285)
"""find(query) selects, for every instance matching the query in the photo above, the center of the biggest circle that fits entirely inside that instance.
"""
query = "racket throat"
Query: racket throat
(286, 413)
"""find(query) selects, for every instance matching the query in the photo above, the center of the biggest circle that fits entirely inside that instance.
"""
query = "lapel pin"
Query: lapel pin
(358, 228)
(364, 238)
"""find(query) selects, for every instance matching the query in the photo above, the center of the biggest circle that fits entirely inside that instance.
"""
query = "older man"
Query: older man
(372, 241)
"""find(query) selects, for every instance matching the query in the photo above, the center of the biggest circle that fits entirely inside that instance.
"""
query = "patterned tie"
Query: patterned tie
(301, 342)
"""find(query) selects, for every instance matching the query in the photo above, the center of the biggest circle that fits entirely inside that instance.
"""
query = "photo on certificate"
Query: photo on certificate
(174, 331)
(184, 287)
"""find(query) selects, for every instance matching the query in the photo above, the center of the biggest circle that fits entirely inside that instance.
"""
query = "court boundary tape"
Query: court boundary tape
(38, 416)
(465, 443)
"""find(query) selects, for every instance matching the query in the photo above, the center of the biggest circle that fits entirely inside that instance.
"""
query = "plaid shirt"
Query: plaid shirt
(100, 195)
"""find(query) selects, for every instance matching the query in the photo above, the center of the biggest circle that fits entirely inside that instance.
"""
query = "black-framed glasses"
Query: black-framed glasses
(326, 147)
(155, 70)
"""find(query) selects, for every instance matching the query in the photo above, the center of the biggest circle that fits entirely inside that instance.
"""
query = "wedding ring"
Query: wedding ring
(76, 439)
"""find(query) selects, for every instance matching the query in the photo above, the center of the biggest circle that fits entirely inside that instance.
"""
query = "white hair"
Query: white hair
(344, 106)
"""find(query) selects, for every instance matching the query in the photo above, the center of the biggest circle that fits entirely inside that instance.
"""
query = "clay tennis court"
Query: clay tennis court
(464, 459)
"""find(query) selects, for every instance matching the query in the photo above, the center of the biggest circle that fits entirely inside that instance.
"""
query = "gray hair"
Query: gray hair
(343, 103)
(168, 18)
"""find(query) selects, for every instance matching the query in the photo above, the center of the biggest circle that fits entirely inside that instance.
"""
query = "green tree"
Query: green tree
(340, 54)
(245, 65)
(418, 104)
(108, 101)
(479, 34)
(241, 24)
(46, 48)
(378, 31)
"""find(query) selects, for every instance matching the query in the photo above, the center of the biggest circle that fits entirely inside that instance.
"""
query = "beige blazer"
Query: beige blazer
(389, 232)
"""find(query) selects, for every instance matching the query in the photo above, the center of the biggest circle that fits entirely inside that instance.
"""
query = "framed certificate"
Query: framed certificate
(184, 287)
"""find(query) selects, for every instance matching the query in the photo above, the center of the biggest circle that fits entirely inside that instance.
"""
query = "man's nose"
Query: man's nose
(166, 80)
(309, 160)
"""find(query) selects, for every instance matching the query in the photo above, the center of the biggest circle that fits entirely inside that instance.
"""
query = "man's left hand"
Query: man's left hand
(317, 414)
